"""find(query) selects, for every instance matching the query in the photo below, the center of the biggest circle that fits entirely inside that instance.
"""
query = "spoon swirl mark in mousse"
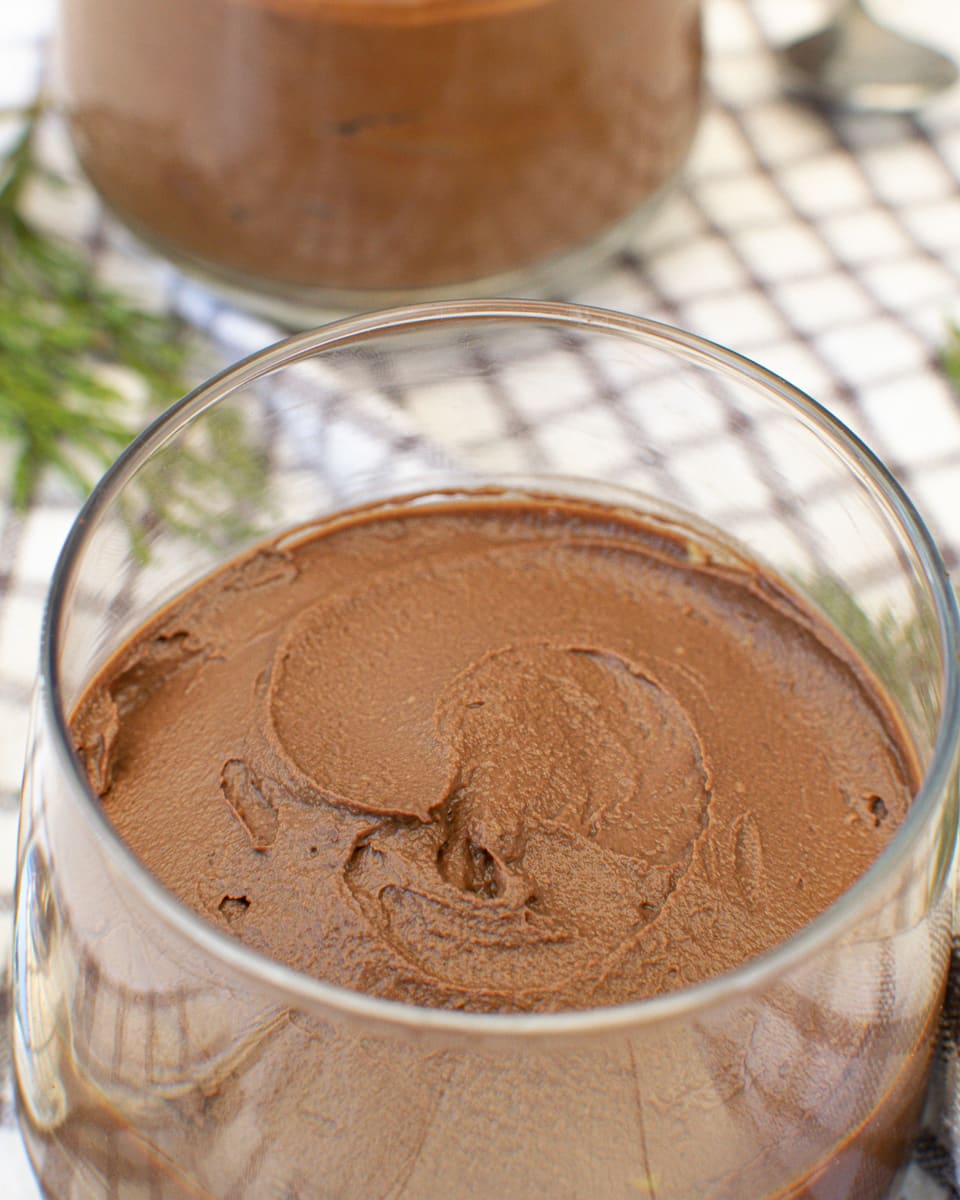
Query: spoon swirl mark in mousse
(498, 754)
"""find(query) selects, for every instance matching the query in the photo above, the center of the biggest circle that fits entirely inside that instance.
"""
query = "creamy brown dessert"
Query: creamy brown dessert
(378, 145)
(497, 754)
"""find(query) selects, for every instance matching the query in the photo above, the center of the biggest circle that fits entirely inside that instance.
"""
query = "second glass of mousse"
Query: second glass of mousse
(318, 153)
(517, 793)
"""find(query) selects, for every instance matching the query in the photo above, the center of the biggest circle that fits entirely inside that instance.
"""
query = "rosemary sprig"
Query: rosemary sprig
(951, 355)
(898, 651)
(59, 328)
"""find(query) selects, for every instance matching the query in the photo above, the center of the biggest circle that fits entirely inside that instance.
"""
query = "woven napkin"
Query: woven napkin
(828, 249)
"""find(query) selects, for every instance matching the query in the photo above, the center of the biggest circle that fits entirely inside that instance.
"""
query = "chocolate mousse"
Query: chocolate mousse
(378, 145)
(497, 752)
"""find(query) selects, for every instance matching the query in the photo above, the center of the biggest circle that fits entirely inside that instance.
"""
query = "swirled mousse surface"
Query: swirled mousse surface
(497, 754)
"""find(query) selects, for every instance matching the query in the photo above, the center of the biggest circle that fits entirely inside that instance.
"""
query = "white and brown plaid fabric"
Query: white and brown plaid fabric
(827, 249)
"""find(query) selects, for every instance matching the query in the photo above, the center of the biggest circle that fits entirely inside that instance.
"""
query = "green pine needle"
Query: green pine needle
(61, 331)
(951, 356)
(59, 327)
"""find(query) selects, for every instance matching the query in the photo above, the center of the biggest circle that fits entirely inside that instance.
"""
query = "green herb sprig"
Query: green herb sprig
(63, 333)
(59, 328)
(951, 355)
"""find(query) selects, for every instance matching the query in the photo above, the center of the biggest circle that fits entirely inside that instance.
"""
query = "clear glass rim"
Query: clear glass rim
(296, 989)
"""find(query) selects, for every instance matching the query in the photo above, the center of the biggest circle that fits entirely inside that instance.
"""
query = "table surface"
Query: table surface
(825, 249)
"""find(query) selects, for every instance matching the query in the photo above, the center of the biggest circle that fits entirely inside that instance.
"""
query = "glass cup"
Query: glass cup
(316, 155)
(157, 1057)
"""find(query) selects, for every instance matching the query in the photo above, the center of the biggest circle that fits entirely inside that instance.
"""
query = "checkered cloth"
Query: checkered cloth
(826, 249)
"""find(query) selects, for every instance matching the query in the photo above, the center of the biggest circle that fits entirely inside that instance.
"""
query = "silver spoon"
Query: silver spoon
(858, 64)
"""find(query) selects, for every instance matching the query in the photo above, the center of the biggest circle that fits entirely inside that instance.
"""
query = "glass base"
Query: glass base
(295, 306)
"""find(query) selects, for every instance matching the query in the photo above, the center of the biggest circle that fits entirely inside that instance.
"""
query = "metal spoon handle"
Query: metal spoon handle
(854, 62)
